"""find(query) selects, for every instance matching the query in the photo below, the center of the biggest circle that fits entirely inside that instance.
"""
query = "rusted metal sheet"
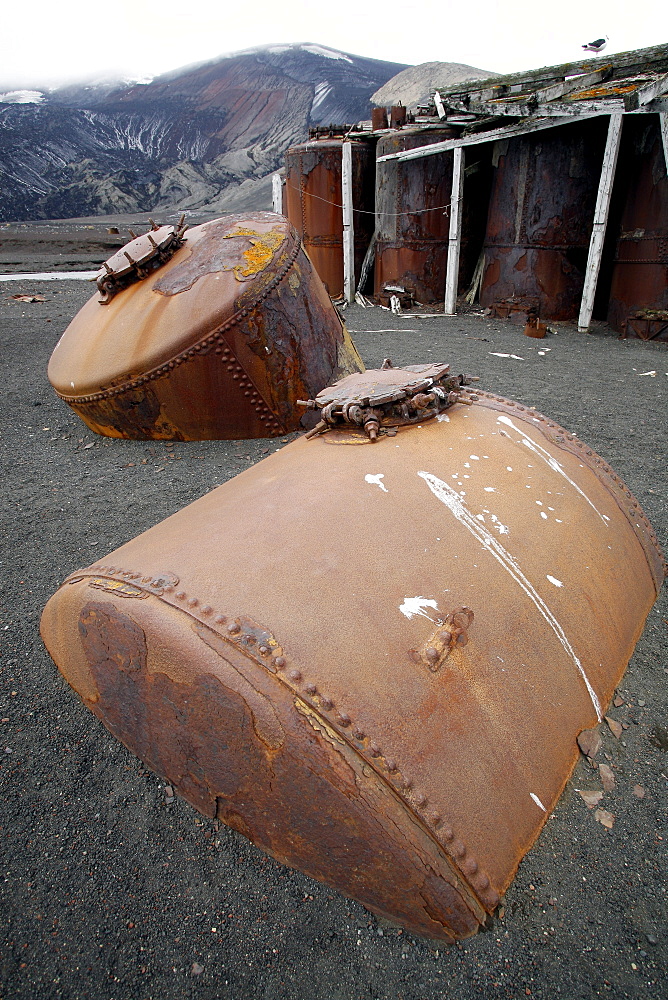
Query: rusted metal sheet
(413, 216)
(314, 204)
(638, 302)
(217, 343)
(540, 219)
(398, 727)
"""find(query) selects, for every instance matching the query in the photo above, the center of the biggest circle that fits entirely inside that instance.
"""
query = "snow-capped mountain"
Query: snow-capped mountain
(184, 140)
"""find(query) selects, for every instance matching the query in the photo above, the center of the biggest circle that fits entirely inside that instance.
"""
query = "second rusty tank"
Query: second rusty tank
(373, 652)
(210, 333)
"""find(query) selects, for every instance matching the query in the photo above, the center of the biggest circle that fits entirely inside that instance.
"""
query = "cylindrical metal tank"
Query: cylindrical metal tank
(374, 659)
(313, 204)
(640, 270)
(540, 219)
(412, 216)
(218, 342)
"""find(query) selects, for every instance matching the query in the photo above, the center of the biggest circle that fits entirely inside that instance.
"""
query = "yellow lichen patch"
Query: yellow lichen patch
(259, 253)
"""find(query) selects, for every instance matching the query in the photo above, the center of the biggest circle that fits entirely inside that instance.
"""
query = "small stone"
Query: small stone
(619, 701)
(615, 727)
(591, 798)
(639, 791)
(641, 702)
(590, 742)
(607, 777)
(605, 818)
(652, 938)
(197, 969)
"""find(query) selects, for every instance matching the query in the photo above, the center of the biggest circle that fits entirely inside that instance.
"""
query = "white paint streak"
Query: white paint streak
(538, 802)
(376, 481)
(541, 452)
(554, 580)
(442, 418)
(453, 502)
(497, 354)
(413, 606)
(490, 489)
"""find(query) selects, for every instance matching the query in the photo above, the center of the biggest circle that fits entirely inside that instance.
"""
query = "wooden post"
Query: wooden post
(348, 230)
(455, 233)
(663, 121)
(277, 194)
(600, 221)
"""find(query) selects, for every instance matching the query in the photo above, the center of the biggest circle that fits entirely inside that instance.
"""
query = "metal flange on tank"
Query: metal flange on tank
(399, 716)
(210, 335)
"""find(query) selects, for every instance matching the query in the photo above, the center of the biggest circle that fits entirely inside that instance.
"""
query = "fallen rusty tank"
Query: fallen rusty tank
(209, 333)
(372, 653)
(314, 203)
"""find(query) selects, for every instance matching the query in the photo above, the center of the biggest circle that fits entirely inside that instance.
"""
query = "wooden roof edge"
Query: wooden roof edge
(653, 59)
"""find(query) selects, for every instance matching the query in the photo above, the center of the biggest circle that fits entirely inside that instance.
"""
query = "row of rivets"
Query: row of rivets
(467, 864)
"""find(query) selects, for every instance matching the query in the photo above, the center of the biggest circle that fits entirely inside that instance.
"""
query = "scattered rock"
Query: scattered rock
(639, 791)
(590, 742)
(29, 298)
(619, 701)
(659, 737)
(197, 969)
(607, 777)
(605, 818)
(615, 727)
(591, 798)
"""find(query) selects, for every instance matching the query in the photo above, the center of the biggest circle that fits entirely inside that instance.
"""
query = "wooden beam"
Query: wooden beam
(506, 132)
(572, 84)
(277, 194)
(600, 221)
(348, 229)
(558, 109)
(455, 234)
(663, 122)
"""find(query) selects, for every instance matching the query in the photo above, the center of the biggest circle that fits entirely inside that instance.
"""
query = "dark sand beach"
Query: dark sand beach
(110, 889)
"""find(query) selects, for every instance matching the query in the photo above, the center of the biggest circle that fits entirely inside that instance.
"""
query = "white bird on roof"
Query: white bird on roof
(596, 46)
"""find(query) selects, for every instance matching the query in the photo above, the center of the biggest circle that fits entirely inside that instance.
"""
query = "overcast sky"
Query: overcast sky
(62, 40)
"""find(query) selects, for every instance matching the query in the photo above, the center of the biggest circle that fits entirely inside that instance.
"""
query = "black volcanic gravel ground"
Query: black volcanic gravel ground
(109, 891)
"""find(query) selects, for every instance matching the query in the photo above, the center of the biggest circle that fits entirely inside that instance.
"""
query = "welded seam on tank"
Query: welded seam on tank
(453, 502)
(189, 353)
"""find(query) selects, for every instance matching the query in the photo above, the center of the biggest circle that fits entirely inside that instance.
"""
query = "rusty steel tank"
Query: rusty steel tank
(210, 333)
(412, 216)
(372, 653)
(540, 219)
(639, 292)
(313, 200)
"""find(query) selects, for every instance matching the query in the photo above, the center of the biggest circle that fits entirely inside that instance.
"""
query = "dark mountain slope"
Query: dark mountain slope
(183, 140)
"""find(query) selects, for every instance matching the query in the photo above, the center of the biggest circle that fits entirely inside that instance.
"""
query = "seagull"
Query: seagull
(596, 46)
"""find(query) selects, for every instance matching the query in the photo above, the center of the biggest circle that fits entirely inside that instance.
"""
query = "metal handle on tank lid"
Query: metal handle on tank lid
(139, 258)
(382, 399)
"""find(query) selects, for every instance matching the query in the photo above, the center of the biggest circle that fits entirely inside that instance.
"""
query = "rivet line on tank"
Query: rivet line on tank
(366, 747)
(187, 354)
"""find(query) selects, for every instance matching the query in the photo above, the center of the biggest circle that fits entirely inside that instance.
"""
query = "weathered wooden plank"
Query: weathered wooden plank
(572, 84)
(506, 132)
(643, 95)
(439, 105)
(643, 60)
(600, 221)
(526, 109)
(277, 193)
(348, 229)
(455, 233)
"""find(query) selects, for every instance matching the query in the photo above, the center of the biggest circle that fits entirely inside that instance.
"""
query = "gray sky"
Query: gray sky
(49, 42)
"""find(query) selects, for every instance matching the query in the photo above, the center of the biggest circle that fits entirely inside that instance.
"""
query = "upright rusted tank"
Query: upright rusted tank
(313, 203)
(372, 658)
(212, 336)
(540, 219)
(412, 216)
(639, 291)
